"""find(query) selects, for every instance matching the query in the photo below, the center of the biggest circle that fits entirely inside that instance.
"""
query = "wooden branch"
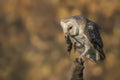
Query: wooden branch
(77, 70)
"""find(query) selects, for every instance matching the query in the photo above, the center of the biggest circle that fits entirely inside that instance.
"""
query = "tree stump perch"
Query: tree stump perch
(77, 70)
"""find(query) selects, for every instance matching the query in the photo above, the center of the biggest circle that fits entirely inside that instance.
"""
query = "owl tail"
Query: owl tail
(102, 55)
(96, 57)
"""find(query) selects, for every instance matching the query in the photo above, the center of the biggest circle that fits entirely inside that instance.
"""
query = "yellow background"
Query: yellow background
(32, 45)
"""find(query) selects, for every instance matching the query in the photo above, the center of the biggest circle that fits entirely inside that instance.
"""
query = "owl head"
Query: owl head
(69, 26)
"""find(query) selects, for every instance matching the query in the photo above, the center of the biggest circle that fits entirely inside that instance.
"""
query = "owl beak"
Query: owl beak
(66, 34)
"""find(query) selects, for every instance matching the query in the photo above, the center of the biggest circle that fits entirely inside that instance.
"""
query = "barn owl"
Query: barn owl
(83, 34)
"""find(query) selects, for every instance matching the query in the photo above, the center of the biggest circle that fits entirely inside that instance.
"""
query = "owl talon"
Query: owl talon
(81, 58)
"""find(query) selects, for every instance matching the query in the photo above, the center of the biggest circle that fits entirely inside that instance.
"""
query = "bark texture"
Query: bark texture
(77, 70)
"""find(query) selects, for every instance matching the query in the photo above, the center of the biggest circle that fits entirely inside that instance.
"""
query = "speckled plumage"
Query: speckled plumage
(85, 35)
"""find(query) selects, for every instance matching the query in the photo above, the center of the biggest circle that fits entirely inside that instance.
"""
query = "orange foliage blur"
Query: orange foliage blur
(32, 45)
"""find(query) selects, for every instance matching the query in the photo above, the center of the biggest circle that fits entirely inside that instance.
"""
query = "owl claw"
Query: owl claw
(81, 58)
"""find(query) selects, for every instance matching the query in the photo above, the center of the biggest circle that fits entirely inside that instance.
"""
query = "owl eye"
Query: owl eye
(70, 28)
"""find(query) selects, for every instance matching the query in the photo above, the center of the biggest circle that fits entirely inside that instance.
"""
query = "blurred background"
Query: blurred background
(32, 45)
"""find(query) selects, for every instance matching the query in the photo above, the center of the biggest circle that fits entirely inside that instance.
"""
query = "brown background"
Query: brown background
(32, 45)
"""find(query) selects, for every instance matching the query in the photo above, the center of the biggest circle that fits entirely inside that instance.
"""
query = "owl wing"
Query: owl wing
(93, 34)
